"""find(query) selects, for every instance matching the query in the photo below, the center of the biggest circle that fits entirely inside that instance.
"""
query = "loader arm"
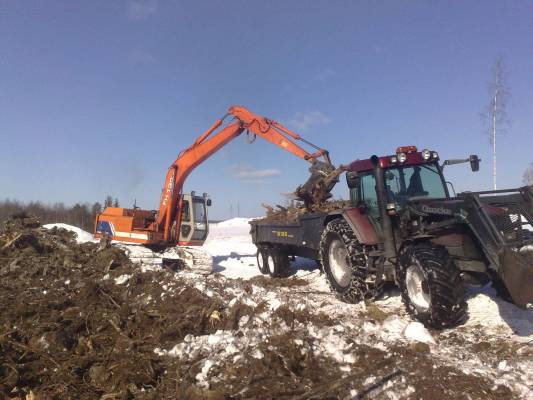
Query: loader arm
(209, 143)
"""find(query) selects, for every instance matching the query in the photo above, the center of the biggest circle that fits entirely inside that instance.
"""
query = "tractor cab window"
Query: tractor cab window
(414, 181)
(368, 193)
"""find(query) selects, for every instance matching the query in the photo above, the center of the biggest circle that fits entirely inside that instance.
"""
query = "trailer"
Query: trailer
(278, 241)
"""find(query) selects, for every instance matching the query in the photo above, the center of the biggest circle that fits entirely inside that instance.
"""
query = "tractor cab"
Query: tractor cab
(194, 224)
(408, 175)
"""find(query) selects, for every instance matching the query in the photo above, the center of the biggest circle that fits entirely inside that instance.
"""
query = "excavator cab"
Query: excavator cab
(194, 225)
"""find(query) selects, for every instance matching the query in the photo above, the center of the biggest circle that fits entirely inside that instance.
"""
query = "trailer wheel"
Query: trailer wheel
(345, 264)
(262, 262)
(431, 286)
(277, 263)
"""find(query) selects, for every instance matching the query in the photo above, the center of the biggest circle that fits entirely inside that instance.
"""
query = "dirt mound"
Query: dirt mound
(68, 330)
(81, 322)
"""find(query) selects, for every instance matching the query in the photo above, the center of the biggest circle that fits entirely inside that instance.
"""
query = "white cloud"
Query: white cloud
(141, 9)
(325, 75)
(303, 120)
(246, 173)
(141, 57)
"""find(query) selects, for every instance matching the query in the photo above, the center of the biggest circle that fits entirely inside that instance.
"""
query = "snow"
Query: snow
(233, 252)
(234, 223)
(417, 332)
(81, 235)
(122, 279)
(486, 309)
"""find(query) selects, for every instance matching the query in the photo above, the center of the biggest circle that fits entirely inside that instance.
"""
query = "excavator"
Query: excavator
(182, 218)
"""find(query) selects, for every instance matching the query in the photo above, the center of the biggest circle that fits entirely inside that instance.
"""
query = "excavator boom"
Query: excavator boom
(176, 220)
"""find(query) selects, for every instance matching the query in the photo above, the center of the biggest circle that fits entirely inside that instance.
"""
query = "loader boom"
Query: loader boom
(164, 228)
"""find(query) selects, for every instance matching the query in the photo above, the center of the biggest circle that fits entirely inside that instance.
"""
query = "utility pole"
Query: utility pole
(494, 116)
(495, 102)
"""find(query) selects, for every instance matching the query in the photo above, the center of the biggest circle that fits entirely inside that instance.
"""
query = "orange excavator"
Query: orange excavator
(182, 218)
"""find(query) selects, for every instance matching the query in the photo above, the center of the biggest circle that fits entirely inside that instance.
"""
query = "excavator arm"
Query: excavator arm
(211, 141)
(163, 228)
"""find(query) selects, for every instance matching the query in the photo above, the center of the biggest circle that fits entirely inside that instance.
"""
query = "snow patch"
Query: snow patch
(234, 222)
(81, 235)
(417, 332)
(122, 278)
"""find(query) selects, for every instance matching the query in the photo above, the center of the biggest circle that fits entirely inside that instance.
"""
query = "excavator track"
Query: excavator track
(178, 257)
(195, 258)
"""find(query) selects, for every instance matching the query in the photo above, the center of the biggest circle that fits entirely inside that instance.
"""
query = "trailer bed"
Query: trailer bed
(298, 238)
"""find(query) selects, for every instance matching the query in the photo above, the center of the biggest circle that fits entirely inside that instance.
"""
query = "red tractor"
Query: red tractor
(404, 226)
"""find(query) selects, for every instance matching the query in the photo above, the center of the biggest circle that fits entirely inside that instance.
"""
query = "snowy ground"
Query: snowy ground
(490, 356)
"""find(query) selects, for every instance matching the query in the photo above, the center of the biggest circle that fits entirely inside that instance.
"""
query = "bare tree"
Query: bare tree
(108, 202)
(494, 116)
(527, 178)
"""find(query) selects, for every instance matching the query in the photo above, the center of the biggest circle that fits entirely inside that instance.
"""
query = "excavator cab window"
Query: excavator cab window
(200, 218)
(194, 224)
(186, 213)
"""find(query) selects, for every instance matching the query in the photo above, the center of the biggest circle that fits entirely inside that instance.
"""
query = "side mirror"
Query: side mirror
(474, 162)
(208, 202)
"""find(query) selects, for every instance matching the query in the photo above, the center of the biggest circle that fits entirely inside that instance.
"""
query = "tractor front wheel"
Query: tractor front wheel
(431, 286)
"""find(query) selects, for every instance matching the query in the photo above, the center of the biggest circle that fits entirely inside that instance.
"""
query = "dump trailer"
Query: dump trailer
(403, 226)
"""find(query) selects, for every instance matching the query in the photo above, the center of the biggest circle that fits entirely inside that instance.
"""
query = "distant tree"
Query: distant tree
(494, 116)
(108, 202)
(80, 215)
(116, 203)
(528, 175)
(96, 208)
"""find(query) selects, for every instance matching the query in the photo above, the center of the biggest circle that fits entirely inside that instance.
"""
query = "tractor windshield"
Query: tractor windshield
(414, 181)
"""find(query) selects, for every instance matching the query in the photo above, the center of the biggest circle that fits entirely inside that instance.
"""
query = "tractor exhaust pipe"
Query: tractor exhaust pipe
(388, 235)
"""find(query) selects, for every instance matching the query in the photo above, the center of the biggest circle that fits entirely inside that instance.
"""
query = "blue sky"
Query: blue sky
(99, 97)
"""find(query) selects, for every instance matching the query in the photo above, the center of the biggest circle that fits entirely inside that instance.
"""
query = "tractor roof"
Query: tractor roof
(409, 154)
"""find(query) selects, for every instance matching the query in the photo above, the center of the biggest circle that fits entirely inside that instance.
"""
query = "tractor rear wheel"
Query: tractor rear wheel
(345, 265)
(431, 286)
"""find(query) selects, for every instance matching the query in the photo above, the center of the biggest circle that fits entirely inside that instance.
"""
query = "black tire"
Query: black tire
(431, 286)
(277, 263)
(345, 264)
(262, 254)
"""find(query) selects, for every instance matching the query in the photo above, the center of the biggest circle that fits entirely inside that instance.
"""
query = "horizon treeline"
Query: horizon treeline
(81, 215)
